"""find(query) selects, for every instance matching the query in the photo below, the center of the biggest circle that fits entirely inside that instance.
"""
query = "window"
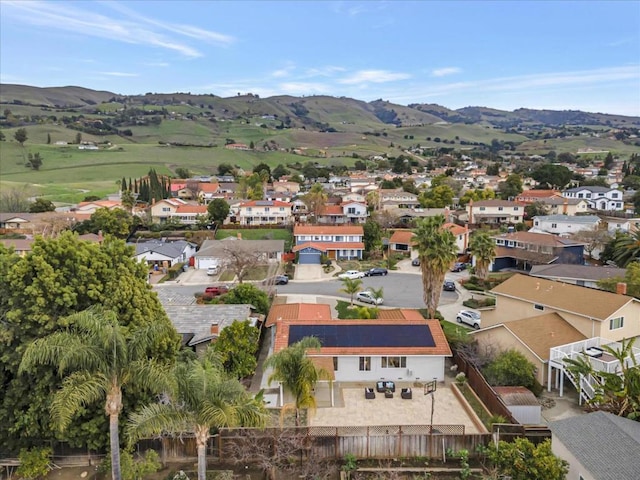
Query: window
(482, 209)
(365, 364)
(538, 307)
(615, 323)
(394, 362)
(500, 209)
(335, 364)
(515, 209)
(554, 225)
(351, 210)
(614, 195)
(166, 209)
(248, 209)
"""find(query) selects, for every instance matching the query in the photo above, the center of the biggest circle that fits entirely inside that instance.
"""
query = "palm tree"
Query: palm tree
(351, 286)
(437, 251)
(297, 372)
(626, 249)
(377, 292)
(99, 358)
(483, 248)
(205, 397)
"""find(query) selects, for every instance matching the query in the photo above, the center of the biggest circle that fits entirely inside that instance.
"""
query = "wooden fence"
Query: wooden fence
(484, 391)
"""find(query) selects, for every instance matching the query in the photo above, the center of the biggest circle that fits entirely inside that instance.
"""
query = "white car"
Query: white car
(469, 317)
(212, 270)
(367, 297)
(352, 274)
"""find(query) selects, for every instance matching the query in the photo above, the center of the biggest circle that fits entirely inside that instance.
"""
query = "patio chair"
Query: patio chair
(388, 393)
(406, 393)
(380, 387)
(369, 394)
(390, 386)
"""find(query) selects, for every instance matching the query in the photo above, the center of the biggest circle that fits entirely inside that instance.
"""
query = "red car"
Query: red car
(216, 290)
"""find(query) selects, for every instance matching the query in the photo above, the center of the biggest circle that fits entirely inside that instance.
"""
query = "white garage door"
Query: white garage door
(206, 262)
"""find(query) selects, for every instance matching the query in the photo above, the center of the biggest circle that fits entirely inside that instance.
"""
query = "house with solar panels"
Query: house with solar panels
(399, 346)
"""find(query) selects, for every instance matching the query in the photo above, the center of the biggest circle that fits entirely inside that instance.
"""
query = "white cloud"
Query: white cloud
(61, 16)
(119, 74)
(442, 72)
(374, 76)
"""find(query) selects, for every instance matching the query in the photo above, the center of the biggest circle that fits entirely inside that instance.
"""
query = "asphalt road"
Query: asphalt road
(400, 289)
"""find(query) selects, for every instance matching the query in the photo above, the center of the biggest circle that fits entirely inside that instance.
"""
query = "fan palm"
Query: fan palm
(483, 248)
(351, 286)
(297, 373)
(437, 251)
(205, 397)
(99, 358)
(626, 249)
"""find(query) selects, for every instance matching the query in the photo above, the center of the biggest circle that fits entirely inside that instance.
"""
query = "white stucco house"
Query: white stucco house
(599, 198)
(564, 224)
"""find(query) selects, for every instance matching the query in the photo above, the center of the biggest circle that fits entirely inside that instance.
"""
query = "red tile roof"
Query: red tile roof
(332, 210)
(455, 229)
(198, 209)
(298, 311)
(209, 187)
(402, 236)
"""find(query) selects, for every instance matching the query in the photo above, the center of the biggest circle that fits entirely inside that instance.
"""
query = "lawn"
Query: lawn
(259, 234)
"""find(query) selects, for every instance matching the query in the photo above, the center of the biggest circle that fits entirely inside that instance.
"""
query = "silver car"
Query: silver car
(469, 317)
(367, 297)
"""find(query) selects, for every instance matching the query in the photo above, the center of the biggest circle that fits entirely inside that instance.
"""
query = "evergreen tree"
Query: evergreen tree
(123, 185)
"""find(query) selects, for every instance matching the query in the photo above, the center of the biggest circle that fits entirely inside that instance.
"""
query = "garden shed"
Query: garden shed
(522, 404)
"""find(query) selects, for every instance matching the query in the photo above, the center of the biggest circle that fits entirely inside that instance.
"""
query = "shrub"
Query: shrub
(511, 368)
(34, 463)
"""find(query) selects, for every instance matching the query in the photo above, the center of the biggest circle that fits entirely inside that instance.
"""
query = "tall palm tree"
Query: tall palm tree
(351, 286)
(437, 250)
(297, 373)
(483, 248)
(99, 358)
(626, 249)
(205, 397)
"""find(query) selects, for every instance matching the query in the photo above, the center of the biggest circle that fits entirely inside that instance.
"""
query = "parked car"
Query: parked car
(459, 267)
(216, 290)
(449, 286)
(469, 317)
(281, 280)
(212, 270)
(415, 262)
(375, 271)
(367, 297)
(352, 274)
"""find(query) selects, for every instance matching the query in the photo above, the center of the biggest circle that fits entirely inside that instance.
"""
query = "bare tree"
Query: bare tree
(15, 200)
(592, 239)
(239, 258)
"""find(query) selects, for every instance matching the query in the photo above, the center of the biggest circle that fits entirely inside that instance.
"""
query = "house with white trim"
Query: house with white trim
(598, 198)
(335, 241)
(565, 224)
(264, 212)
(495, 212)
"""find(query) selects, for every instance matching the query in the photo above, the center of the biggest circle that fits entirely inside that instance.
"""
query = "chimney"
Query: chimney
(214, 329)
(621, 288)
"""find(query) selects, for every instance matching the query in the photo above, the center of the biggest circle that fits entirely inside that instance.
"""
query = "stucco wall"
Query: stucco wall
(422, 368)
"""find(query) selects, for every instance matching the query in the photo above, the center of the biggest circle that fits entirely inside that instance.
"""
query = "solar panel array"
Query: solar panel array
(365, 335)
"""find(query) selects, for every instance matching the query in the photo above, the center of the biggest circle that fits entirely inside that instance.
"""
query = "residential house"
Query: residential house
(400, 345)
(362, 185)
(599, 198)
(228, 189)
(89, 208)
(21, 246)
(163, 252)
(581, 275)
(565, 225)
(407, 216)
(565, 206)
(286, 187)
(533, 336)
(522, 250)
(598, 446)
(264, 212)
(398, 198)
(15, 221)
(528, 197)
(495, 212)
(461, 235)
(594, 313)
(353, 197)
(214, 253)
(189, 214)
(336, 242)
(617, 224)
(401, 242)
(200, 325)
(163, 210)
(208, 192)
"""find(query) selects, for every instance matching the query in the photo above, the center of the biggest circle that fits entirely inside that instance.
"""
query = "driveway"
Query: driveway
(308, 272)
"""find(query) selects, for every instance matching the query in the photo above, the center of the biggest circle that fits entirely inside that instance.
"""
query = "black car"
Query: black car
(281, 280)
(376, 271)
(415, 262)
(449, 286)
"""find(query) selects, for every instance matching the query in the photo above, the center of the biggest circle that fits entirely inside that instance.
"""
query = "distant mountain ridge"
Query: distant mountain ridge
(315, 112)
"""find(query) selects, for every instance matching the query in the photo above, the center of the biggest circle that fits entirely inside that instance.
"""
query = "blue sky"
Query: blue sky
(507, 54)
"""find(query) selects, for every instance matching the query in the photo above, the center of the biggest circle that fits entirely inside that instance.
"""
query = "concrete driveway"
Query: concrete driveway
(308, 272)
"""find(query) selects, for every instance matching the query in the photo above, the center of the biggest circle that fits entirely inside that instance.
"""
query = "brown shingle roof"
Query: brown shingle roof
(588, 302)
(544, 332)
